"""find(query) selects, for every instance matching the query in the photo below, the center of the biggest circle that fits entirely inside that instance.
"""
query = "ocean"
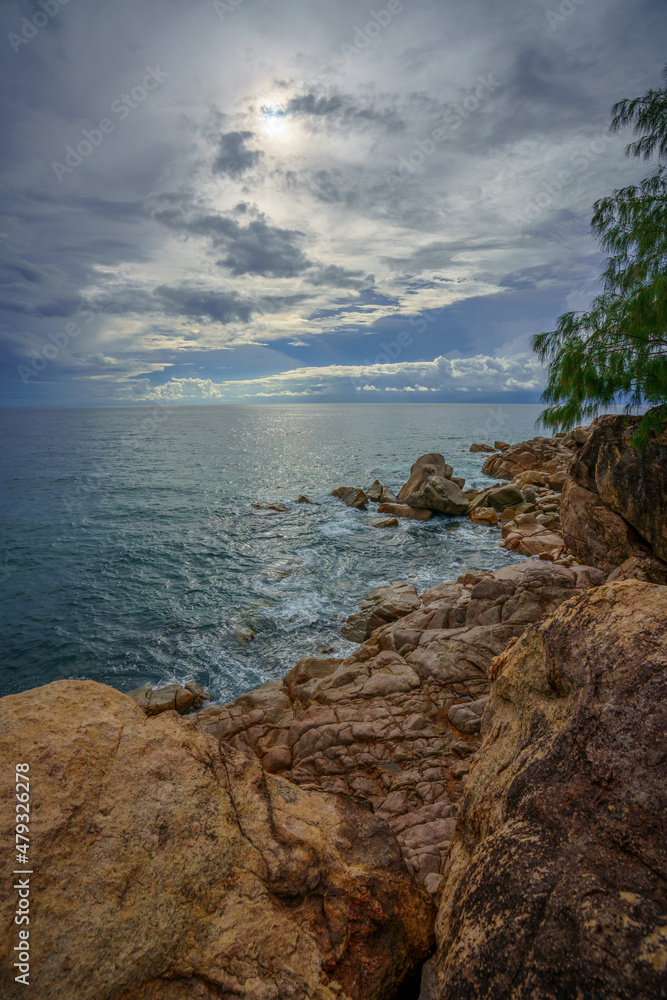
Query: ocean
(130, 551)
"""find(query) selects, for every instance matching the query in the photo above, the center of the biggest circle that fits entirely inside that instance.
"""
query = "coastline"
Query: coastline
(403, 726)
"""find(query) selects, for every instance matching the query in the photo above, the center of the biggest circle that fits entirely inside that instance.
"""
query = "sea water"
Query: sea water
(130, 550)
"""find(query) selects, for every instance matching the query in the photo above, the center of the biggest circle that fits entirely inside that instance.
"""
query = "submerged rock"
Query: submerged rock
(556, 881)
(351, 496)
(385, 522)
(172, 867)
(402, 510)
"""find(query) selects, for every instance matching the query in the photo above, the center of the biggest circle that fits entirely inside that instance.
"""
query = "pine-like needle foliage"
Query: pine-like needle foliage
(617, 351)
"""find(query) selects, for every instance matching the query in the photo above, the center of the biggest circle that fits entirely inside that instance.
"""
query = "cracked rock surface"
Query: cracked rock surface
(170, 867)
(398, 720)
(556, 886)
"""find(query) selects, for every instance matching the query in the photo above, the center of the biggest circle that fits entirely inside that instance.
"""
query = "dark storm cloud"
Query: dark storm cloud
(258, 248)
(233, 156)
(205, 304)
(334, 276)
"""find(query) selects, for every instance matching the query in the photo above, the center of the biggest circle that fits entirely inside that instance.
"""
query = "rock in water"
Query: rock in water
(426, 466)
(170, 867)
(481, 447)
(351, 496)
(402, 510)
(556, 886)
(380, 493)
(439, 494)
(385, 522)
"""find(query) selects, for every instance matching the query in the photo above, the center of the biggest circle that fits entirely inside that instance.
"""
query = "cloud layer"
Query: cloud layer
(311, 202)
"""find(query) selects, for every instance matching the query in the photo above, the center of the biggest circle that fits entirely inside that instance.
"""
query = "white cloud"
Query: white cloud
(522, 373)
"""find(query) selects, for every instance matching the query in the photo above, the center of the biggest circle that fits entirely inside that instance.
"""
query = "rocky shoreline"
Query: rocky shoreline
(480, 776)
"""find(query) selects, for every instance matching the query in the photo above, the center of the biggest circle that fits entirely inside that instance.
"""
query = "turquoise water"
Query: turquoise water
(130, 550)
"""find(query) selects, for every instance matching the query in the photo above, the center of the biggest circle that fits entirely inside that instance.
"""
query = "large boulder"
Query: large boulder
(556, 883)
(541, 454)
(169, 867)
(439, 494)
(632, 483)
(595, 533)
(426, 466)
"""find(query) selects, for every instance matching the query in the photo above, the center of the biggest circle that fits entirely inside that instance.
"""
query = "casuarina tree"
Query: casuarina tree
(616, 352)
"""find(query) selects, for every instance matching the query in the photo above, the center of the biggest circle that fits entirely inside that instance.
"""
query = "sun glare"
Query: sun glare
(275, 122)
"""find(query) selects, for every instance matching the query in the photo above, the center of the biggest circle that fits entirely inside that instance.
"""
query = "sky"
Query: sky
(254, 201)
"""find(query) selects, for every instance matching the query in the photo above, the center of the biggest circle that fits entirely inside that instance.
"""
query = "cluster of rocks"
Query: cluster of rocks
(398, 720)
(431, 488)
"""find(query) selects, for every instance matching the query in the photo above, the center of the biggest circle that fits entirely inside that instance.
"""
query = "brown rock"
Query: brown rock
(556, 881)
(280, 507)
(386, 604)
(484, 515)
(645, 567)
(632, 484)
(481, 447)
(172, 867)
(527, 535)
(426, 466)
(380, 493)
(402, 510)
(376, 724)
(302, 499)
(170, 698)
(504, 496)
(351, 497)
(385, 522)
(500, 445)
(595, 533)
(540, 454)
(439, 494)
(458, 481)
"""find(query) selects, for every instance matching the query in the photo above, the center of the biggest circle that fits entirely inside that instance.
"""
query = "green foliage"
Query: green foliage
(617, 350)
